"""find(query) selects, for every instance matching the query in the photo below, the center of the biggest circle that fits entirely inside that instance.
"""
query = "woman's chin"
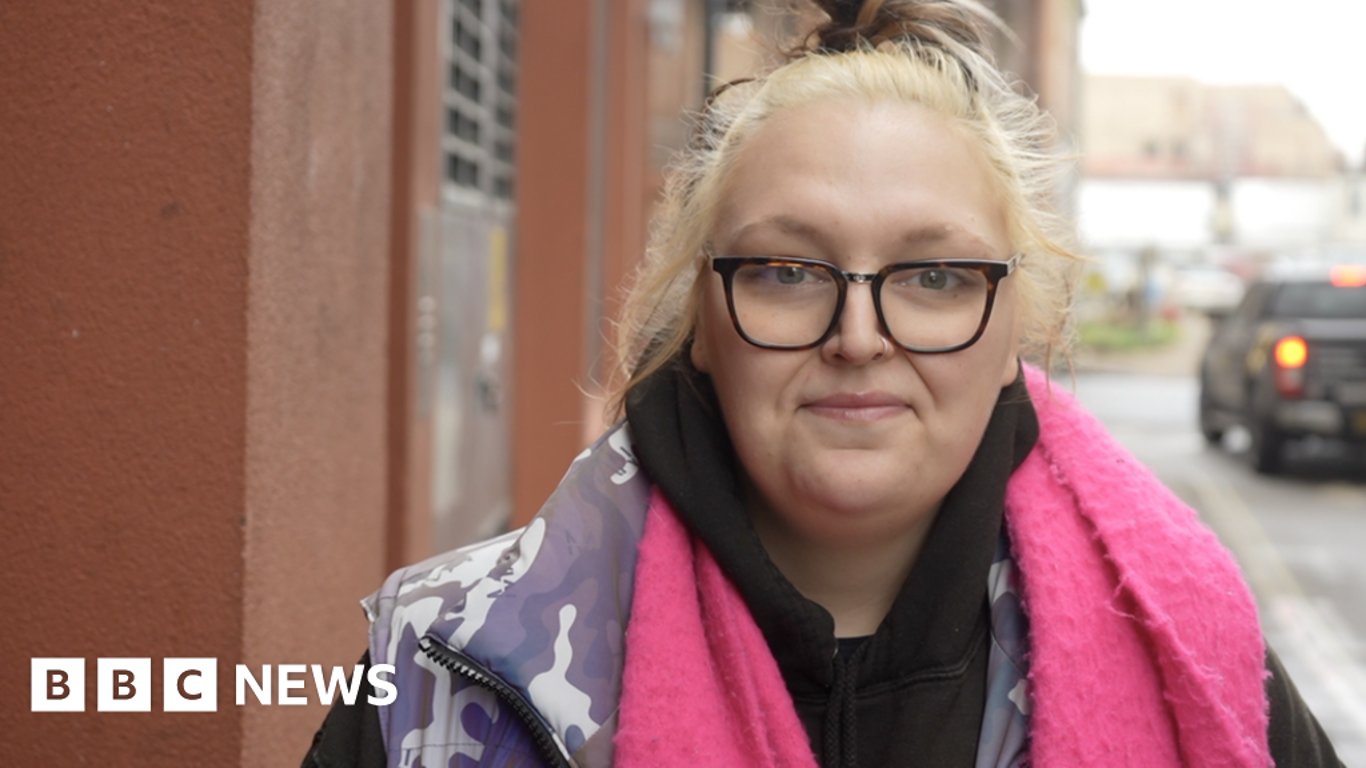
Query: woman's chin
(855, 501)
(857, 479)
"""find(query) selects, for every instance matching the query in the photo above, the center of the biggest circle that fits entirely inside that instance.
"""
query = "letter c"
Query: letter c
(180, 685)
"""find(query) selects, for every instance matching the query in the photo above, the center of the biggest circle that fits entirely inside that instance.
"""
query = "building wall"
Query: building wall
(415, 182)
(1045, 57)
(1349, 225)
(124, 231)
(193, 298)
(1133, 214)
(1147, 127)
(1275, 133)
(1169, 127)
(1259, 214)
(1265, 174)
(551, 274)
(602, 86)
(317, 310)
(1057, 76)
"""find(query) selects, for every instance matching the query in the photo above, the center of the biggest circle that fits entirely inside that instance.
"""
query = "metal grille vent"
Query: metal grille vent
(480, 97)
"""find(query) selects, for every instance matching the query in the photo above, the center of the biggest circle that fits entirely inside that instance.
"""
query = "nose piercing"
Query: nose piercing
(886, 348)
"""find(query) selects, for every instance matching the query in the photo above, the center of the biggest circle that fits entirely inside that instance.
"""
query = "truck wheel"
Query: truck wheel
(1209, 428)
(1268, 447)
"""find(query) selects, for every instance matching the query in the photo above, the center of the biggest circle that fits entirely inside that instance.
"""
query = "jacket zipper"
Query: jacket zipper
(471, 670)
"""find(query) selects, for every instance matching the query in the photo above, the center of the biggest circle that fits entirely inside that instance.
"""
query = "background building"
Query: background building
(1199, 171)
(1171, 128)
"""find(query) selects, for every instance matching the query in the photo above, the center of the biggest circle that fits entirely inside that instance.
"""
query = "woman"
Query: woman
(842, 524)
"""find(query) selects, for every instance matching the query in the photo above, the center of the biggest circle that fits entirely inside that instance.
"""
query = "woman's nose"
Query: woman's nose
(858, 336)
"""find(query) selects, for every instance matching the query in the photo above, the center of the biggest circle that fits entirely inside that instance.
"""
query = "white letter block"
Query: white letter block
(57, 685)
(123, 685)
(189, 685)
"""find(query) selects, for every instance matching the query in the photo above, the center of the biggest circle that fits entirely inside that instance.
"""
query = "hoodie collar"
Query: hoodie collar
(936, 620)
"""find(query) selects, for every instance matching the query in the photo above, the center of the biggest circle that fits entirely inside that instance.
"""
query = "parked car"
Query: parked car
(1289, 362)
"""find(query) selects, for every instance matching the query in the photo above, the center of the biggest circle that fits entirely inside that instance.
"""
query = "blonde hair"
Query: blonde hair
(927, 52)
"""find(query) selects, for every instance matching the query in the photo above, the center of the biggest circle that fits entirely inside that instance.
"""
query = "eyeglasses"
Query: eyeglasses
(924, 306)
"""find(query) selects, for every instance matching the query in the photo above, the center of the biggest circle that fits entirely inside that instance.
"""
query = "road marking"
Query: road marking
(1312, 627)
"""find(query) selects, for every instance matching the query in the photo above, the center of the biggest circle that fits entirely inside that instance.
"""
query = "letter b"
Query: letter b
(124, 689)
(123, 685)
(57, 685)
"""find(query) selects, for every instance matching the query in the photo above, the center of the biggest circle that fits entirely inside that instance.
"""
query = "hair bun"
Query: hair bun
(841, 12)
(944, 23)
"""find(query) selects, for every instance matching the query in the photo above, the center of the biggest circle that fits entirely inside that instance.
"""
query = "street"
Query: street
(1298, 536)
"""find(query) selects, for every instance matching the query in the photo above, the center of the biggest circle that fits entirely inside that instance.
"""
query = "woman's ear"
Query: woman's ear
(697, 351)
(700, 351)
(1011, 372)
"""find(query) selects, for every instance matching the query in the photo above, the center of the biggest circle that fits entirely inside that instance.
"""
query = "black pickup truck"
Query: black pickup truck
(1290, 362)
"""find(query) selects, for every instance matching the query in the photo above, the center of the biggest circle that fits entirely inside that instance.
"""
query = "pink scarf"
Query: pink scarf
(700, 686)
(1145, 646)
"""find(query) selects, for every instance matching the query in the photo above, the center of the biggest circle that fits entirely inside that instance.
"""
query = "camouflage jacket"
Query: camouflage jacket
(510, 652)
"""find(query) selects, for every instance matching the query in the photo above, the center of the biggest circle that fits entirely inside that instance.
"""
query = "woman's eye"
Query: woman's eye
(935, 279)
(782, 275)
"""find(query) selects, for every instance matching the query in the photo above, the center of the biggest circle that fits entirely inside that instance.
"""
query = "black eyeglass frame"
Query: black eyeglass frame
(992, 270)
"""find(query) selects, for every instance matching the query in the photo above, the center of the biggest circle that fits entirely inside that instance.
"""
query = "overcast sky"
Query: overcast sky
(1316, 48)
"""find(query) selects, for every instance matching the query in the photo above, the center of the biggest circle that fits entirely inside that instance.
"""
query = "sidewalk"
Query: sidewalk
(1179, 358)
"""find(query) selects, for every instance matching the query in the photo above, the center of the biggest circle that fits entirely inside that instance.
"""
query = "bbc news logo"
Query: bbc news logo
(191, 684)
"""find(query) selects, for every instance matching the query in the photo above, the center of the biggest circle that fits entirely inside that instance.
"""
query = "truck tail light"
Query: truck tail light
(1348, 276)
(1290, 353)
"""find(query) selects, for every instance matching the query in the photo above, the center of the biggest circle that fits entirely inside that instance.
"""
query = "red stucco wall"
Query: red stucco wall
(124, 212)
(557, 43)
(193, 322)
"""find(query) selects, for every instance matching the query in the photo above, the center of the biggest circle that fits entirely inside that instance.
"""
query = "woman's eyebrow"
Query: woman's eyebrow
(930, 233)
(783, 223)
(945, 233)
(920, 235)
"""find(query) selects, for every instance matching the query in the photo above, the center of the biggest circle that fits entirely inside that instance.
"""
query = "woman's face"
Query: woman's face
(855, 440)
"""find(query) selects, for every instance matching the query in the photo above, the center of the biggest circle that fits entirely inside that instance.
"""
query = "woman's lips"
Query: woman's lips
(849, 406)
